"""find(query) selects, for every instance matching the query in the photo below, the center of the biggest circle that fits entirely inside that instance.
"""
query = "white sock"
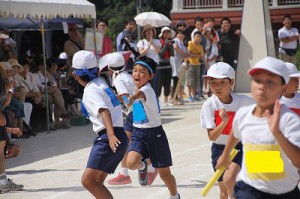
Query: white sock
(143, 167)
(124, 171)
(3, 178)
(151, 168)
(175, 197)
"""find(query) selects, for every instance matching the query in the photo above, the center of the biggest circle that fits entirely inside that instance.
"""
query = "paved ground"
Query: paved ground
(51, 165)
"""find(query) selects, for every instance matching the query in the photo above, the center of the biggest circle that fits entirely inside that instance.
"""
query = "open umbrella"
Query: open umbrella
(154, 19)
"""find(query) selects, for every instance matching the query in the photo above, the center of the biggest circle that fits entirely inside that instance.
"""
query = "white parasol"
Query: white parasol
(154, 19)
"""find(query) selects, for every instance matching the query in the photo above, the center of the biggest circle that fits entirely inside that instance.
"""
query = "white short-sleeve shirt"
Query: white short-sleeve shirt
(292, 103)
(151, 52)
(124, 83)
(209, 116)
(283, 33)
(151, 114)
(98, 95)
(255, 135)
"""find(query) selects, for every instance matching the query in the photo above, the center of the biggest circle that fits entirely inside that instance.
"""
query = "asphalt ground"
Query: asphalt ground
(51, 164)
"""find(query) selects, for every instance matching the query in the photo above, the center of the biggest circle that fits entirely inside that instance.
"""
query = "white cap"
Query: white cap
(63, 55)
(84, 59)
(3, 36)
(115, 60)
(293, 71)
(220, 70)
(272, 65)
(164, 29)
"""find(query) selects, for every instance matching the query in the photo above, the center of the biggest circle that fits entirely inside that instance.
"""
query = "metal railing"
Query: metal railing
(196, 4)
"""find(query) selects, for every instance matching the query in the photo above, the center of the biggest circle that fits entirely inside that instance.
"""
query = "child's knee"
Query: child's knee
(229, 178)
(131, 163)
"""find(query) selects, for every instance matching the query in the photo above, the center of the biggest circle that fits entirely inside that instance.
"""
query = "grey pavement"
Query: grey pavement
(51, 164)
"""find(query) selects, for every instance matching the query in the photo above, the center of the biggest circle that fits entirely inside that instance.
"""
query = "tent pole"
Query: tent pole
(46, 78)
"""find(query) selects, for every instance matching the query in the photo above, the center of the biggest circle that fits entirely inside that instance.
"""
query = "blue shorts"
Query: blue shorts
(245, 191)
(128, 126)
(152, 143)
(216, 152)
(102, 157)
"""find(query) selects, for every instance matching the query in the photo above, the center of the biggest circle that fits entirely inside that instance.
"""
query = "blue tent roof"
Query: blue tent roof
(12, 23)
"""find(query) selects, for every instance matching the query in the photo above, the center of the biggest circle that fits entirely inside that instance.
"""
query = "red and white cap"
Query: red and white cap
(273, 65)
(220, 70)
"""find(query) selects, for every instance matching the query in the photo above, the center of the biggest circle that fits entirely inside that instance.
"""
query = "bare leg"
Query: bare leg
(133, 161)
(92, 180)
(169, 180)
(230, 178)
(223, 191)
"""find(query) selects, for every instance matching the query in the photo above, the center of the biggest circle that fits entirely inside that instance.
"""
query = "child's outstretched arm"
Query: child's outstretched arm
(113, 140)
(224, 158)
(292, 151)
(213, 134)
(138, 94)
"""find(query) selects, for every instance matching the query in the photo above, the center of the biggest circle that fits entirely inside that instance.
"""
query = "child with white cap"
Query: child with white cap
(291, 97)
(270, 135)
(123, 83)
(102, 107)
(148, 138)
(216, 116)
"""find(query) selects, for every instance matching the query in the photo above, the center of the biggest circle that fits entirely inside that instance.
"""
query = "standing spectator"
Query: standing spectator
(150, 47)
(180, 53)
(102, 26)
(128, 44)
(183, 26)
(165, 53)
(130, 25)
(196, 53)
(289, 40)
(228, 42)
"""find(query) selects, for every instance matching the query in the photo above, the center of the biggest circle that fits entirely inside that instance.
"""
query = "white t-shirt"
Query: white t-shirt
(124, 83)
(98, 95)
(256, 136)
(209, 116)
(292, 103)
(147, 113)
(177, 60)
(283, 33)
(214, 52)
(151, 52)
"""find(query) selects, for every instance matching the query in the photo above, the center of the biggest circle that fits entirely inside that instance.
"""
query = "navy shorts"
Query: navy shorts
(245, 191)
(129, 122)
(152, 143)
(102, 157)
(3, 133)
(216, 152)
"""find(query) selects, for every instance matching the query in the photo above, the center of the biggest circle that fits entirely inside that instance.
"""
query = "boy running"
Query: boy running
(148, 138)
(268, 131)
(101, 106)
(216, 116)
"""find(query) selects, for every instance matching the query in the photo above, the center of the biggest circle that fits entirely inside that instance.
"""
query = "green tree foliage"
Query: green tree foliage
(118, 11)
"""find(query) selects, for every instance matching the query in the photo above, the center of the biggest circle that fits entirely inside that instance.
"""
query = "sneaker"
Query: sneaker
(152, 176)
(120, 180)
(10, 186)
(190, 99)
(143, 175)
(164, 104)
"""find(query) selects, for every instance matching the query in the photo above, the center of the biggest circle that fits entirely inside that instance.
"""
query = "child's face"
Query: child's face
(197, 38)
(221, 87)
(266, 88)
(141, 75)
(293, 85)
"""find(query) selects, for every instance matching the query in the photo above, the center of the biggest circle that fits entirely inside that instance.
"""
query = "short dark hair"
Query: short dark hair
(198, 19)
(197, 33)
(287, 16)
(179, 32)
(102, 20)
(225, 19)
(129, 20)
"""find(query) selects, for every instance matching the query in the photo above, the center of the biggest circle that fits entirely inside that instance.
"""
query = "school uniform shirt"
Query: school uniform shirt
(124, 83)
(255, 134)
(146, 114)
(98, 95)
(292, 103)
(209, 116)
(195, 49)
(151, 52)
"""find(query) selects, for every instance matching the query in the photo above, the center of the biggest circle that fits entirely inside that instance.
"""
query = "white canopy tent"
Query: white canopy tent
(43, 9)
